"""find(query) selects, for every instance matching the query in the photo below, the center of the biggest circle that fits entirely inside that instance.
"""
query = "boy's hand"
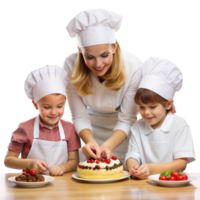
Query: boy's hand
(39, 165)
(143, 172)
(133, 170)
(56, 170)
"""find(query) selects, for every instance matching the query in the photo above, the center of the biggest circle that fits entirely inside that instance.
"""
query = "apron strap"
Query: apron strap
(37, 126)
(62, 134)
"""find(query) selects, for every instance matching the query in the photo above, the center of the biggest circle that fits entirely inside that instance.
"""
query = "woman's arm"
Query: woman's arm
(11, 160)
(117, 137)
(90, 144)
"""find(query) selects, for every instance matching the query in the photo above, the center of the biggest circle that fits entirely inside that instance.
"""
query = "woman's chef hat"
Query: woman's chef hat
(162, 77)
(44, 81)
(94, 27)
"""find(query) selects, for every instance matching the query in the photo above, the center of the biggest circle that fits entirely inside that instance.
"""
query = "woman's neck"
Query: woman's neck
(101, 79)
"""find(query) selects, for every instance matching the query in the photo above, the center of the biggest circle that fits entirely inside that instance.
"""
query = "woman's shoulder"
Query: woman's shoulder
(131, 62)
(130, 58)
(69, 61)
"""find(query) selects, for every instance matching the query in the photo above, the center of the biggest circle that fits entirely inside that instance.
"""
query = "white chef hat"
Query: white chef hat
(162, 77)
(94, 27)
(44, 81)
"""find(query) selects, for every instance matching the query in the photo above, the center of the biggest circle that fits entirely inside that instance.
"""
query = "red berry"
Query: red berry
(92, 161)
(97, 161)
(115, 164)
(88, 161)
(24, 173)
(103, 160)
(108, 161)
(114, 158)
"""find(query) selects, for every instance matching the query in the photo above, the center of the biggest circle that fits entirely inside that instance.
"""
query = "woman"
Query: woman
(103, 84)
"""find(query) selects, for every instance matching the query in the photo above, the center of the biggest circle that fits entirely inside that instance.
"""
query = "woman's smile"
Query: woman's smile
(99, 69)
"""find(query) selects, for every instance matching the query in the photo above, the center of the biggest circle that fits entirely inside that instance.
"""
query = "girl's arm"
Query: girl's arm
(12, 161)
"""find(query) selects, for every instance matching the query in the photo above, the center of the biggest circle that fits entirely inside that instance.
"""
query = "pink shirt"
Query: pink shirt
(22, 137)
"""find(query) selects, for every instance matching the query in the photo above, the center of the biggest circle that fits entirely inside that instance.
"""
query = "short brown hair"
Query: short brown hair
(146, 96)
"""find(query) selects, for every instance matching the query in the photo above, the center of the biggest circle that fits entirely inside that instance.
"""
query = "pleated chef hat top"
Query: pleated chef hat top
(44, 81)
(162, 77)
(93, 27)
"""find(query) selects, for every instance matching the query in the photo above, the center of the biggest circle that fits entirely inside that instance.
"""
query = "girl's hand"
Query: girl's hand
(91, 150)
(56, 170)
(106, 151)
(39, 165)
(143, 172)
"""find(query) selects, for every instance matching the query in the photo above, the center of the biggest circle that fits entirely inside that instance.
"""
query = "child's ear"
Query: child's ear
(35, 105)
(169, 104)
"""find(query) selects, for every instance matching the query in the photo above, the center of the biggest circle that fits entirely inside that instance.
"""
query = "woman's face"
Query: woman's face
(98, 58)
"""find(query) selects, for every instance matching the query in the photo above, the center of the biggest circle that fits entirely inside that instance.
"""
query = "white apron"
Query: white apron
(52, 152)
(102, 128)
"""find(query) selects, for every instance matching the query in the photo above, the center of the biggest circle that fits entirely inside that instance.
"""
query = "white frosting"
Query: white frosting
(101, 164)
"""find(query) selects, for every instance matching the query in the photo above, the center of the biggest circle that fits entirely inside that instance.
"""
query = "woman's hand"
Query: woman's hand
(106, 151)
(39, 165)
(91, 149)
(173, 109)
(56, 170)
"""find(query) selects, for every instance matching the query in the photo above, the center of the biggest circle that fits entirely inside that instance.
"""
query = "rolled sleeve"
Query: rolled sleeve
(129, 109)
(183, 145)
(133, 150)
(80, 115)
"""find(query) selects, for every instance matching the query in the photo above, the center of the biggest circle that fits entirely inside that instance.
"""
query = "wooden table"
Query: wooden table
(64, 187)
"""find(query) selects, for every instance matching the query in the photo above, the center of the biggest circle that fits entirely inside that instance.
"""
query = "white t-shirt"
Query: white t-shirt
(171, 141)
(105, 102)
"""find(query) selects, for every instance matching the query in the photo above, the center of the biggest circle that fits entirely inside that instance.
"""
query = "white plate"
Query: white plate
(47, 179)
(155, 178)
(126, 175)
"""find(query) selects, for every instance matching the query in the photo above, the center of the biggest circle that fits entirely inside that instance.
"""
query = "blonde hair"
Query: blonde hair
(81, 77)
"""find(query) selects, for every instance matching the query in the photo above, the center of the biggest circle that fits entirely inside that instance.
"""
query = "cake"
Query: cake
(100, 169)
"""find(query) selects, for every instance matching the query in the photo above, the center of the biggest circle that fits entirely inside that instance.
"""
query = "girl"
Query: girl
(45, 142)
(103, 82)
(160, 141)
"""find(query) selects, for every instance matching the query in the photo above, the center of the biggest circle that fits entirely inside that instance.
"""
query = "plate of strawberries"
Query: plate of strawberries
(30, 178)
(172, 178)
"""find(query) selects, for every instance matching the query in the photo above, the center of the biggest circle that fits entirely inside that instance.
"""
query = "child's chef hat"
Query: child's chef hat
(162, 77)
(44, 81)
(94, 27)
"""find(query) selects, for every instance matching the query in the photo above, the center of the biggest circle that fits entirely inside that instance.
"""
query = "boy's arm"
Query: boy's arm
(178, 164)
(156, 168)
(72, 162)
(12, 161)
(132, 163)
